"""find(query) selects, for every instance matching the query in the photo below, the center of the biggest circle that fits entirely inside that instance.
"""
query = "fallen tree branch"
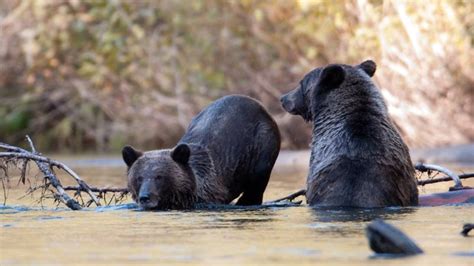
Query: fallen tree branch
(45, 168)
(63, 196)
(98, 190)
(68, 170)
(443, 179)
(290, 197)
(422, 167)
(45, 165)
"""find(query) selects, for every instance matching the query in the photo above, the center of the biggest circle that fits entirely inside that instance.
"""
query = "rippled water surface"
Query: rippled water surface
(122, 234)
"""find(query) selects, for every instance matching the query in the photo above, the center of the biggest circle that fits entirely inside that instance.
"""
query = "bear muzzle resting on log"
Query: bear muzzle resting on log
(358, 158)
(228, 151)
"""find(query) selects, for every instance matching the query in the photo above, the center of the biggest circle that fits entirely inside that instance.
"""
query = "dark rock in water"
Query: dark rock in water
(466, 228)
(387, 239)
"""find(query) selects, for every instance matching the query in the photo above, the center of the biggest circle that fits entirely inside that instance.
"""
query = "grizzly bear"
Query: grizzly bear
(228, 150)
(358, 158)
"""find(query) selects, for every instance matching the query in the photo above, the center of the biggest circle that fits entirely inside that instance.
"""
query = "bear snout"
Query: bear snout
(146, 195)
(144, 199)
(288, 104)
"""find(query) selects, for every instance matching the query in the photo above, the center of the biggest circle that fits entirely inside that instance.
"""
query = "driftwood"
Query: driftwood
(466, 229)
(98, 190)
(422, 167)
(387, 239)
(291, 197)
(46, 167)
(443, 179)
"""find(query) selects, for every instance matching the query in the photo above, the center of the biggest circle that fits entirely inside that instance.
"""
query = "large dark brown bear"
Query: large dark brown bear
(358, 158)
(229, 149)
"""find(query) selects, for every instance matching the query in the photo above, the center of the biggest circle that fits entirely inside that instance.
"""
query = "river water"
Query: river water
(122, 234)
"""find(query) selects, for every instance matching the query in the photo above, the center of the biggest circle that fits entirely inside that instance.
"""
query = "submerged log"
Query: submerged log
(387, 239)
(466, 229)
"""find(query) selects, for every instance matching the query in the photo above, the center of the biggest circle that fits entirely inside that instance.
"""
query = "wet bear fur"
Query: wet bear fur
(228, 151)
(358, 158)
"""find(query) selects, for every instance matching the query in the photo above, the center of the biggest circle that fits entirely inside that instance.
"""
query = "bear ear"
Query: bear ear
(181, 153)
(130, 155)
(332, 76)
(369, 67)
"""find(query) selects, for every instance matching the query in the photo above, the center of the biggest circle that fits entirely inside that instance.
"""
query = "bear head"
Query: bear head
(311, 90)
(161, 179)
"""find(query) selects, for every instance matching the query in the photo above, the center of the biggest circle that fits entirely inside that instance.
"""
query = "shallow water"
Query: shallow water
(123, 234)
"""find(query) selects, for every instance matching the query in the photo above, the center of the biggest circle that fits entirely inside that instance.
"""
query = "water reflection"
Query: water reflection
(220, 234)
(464, 254)
(349, 222)
(127, 206)
(47, 217)
(344, 214)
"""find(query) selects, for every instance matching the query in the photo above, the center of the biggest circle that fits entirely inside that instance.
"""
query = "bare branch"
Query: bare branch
(35, 156)
(98, 190)
(62, 195)
(428, 167)
(33, 149)
(291, 197)
(11, 148)
(45, 165)
(81, 182)
(4, 191)
(443, 179)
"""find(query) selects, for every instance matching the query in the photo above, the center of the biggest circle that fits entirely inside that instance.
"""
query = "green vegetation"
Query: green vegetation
(98, 74)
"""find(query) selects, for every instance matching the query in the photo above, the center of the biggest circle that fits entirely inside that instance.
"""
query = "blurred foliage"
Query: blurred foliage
(99, 74)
